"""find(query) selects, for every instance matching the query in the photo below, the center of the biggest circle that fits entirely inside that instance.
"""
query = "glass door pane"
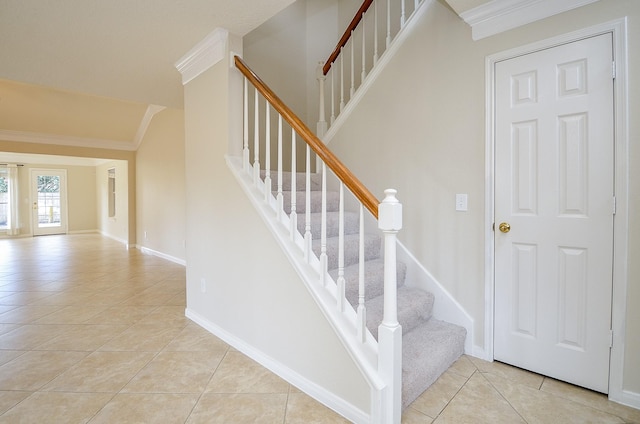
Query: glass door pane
(49, 202)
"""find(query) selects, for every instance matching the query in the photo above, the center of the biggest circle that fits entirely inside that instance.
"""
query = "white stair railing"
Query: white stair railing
(387, 351)
(376, 23)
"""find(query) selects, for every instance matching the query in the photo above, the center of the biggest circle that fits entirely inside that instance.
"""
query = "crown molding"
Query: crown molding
(498, 16)
(65, 140)
(144, 124)
(203, 55)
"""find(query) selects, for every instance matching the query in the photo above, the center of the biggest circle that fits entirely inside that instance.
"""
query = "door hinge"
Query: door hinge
(613, 69)
(614, 205)
(610, 338)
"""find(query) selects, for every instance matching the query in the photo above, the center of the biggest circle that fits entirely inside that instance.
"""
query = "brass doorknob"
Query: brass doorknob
(504, 227)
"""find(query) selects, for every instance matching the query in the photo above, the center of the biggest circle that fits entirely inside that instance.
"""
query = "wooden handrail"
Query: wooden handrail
(347, 34)
(342, 172)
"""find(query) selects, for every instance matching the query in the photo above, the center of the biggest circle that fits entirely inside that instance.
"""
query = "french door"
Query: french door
(49, 201)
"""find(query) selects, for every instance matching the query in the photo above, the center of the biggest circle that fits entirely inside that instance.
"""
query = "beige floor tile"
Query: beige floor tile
(178, 300)
(6, 328)
(121, 315)
(591, 399)
(64, 298)
(438, 396)
(147, 408)
(538, 407)
(463, 366)
(71, 315)
(30, 336)
(175, 372)
(412, 416)
(101, 372)
(83, 337)
(54, 408)
(24, 297)
(27, 314)
(478, 403)
(267, 408)
(518, 375)
(142, 337)
(194, 338)
(166, 315)
(239, 374)
(34, 369)
(157, 299)
(9, 399)
(302, 409)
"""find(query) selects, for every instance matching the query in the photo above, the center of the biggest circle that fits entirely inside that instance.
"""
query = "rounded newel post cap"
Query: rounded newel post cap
(390, 212)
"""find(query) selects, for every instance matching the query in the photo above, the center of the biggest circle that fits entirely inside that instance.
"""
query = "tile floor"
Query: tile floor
(92, 332)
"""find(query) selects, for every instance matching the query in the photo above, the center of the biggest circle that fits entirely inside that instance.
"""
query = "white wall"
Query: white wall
(160, 186)
(251, 290)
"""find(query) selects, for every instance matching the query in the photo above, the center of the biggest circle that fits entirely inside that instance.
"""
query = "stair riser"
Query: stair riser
(351, 224)
(351, 249)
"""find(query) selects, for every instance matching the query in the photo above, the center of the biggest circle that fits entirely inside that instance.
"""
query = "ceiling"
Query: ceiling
(122, 49)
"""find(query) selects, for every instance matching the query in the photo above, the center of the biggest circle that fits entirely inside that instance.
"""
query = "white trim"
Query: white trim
(112, 237)
(170, 258)
(347, 410)
(204, 55)
(498, 16)
(144, 124)
(65, 140)
(618, 28)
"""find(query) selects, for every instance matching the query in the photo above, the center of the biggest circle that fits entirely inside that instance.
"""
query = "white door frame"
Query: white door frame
(619, 30)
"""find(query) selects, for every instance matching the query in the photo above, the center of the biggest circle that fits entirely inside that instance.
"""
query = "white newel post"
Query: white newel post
(390, 331)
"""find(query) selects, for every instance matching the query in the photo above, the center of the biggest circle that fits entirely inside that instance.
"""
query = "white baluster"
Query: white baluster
(361, 310)
(293, 217)
(333, 100)
(375, 33)
(353, 66)
(279, 197)
(256, 141)
(245, 128)
(363, 75)
(307, 223)
(402, 14)
(340, 282)
(323, 228)
(390, 331)
(388, 40)
(267, 153)
(321, 128)
(341, 79)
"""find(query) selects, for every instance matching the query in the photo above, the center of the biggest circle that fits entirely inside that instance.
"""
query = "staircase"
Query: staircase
(429, 346)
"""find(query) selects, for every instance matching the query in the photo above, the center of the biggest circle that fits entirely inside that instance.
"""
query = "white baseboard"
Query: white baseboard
(329, 399)
(146, 250)
(83, 232)
(626, 397)
(112, 237)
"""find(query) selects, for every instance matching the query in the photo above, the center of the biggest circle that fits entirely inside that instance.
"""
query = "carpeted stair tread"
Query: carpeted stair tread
(333, 201)
(427, 351)
(373, 279)
(351, 249)
(315, 181)
(414, 308)
(351, 223)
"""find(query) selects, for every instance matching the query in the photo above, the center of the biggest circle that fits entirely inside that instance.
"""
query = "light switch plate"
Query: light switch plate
(461, 202)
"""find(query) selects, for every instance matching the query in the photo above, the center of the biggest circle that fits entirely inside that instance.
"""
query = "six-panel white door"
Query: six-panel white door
(554, 187)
